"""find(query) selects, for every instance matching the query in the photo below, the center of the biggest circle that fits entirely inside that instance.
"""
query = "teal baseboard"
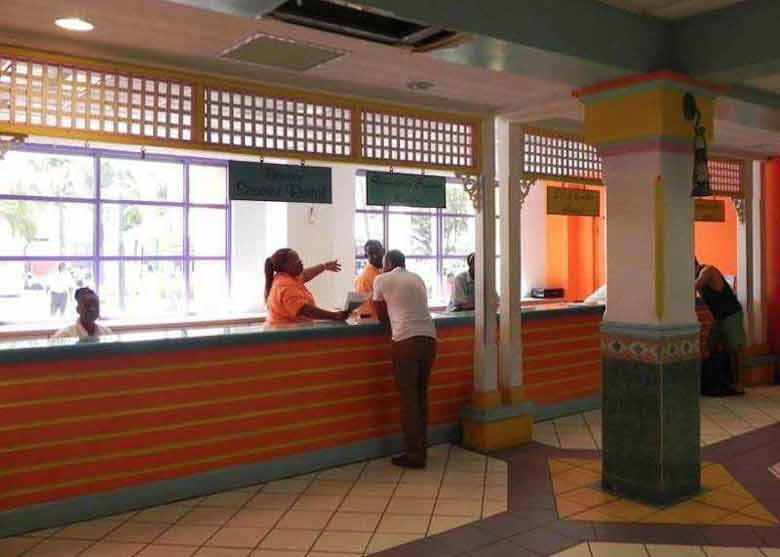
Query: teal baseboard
(542, 412)
(88, 507)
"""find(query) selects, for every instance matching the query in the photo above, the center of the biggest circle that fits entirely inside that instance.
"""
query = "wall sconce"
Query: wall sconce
(701, 172)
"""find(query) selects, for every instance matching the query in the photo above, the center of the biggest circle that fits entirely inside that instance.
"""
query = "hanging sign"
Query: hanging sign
(405, 190)
(710, 210)
(579, 203)
(251, 181)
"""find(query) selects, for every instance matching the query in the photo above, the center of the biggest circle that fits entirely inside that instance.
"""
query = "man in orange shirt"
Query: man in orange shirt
(364, 282)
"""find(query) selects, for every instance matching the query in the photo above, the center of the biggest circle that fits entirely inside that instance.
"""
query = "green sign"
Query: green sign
(405, 190)
(252, 181)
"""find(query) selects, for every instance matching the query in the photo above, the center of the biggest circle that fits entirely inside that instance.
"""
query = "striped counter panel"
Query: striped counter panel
(79, 427)
(561, 358)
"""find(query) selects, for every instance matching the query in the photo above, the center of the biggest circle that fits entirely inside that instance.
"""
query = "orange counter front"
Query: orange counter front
(92, 429)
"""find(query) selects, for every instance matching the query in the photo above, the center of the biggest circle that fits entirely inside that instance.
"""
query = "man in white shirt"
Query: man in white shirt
(85, 328)
(401, 303)
(462, 298)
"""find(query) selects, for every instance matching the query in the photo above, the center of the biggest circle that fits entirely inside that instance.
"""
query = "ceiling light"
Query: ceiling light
(419, 85)
(74, 24)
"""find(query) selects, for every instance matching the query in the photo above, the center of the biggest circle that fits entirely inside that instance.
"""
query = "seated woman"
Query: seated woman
(85, 328)
(286, 296)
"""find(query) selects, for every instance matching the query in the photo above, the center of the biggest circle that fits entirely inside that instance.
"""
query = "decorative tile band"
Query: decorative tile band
(648, 350)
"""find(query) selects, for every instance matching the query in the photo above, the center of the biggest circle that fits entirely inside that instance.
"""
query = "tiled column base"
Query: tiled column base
(497, 428)
(650, 410)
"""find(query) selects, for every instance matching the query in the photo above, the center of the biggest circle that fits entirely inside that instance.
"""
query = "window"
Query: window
(149, 234)
(435, 241)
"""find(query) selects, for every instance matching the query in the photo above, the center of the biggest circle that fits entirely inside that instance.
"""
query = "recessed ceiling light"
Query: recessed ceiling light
(419, 85)
(74, 24)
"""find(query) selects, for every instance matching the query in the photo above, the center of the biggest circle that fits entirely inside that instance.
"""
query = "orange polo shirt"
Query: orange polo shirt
(287, 296)
(364, 284)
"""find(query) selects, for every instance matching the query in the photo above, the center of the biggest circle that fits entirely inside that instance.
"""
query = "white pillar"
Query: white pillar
(745, 252)
(485, 362)
(510, 166)
(757, 321)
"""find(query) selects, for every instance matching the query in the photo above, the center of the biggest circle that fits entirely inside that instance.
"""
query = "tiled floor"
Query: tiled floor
(722, 500)
(596, 549)
(721, 418)
(540, 499)
(351, 510)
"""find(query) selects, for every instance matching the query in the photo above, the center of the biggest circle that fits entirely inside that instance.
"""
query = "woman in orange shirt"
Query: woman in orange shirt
(286, 296)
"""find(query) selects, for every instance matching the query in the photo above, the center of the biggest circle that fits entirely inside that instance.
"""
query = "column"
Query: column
(491, 422)
(650, 346)
(510, 167)
(486, 394)
(771, 260)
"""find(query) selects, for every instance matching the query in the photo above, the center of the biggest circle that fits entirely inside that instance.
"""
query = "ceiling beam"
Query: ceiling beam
(578, 29)
(731, 45)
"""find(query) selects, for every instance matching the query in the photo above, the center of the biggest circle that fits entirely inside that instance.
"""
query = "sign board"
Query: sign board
(710, 210)
(579, 203)
(406, 190)
(252, 181)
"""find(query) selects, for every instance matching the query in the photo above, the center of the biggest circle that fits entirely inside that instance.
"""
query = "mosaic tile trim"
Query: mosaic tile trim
(650, 351)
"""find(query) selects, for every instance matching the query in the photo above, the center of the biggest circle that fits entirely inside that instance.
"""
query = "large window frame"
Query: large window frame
(438, 215)
(98, 202)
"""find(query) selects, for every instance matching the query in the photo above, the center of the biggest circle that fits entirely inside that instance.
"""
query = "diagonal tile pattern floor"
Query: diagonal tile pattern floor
(723, 500)
(347, 511)
(721, 419)
(601, 549)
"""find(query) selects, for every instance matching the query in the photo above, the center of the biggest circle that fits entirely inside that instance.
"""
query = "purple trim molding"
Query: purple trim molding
(97, 257)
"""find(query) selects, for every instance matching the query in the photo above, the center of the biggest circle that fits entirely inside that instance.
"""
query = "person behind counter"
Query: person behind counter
(88, 308)
(286, 296)
(462, 298)
(364, 282)
(401, 303)
(728, 328)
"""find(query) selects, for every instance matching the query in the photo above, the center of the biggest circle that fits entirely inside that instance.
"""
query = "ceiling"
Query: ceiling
(670, 9)
(166, 34)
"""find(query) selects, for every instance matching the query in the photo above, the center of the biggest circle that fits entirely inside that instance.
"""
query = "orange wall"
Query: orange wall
(575, 258)
(716, 242)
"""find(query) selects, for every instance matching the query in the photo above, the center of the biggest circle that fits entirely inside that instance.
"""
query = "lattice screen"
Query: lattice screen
(261, 122)
(558, 158)
(389, 137)
(726, 177)
(66, 97)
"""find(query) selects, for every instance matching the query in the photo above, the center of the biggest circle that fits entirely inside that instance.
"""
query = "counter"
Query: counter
(145, 418)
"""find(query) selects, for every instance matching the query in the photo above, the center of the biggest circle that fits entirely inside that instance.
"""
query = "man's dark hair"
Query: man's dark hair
(81, 292)
(371, 245)
(396, 258)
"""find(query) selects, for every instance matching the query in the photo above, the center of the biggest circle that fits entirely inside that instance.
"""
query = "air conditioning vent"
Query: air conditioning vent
(344, 18)
(276, 52)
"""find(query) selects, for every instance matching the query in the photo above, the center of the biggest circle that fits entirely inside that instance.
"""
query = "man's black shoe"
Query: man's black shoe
(404, 462)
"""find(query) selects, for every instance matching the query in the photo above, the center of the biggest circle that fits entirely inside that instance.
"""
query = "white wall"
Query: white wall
(533, 235)
(258, 229)
(324, 232)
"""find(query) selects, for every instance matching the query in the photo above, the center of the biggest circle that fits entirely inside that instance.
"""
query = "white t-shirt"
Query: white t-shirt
(77, 330)
(407, 304)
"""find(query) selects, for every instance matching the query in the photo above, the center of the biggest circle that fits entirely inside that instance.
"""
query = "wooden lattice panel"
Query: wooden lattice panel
(407, 139)
(276, 124)
(726, 177)
(560, 158)
(60, 96)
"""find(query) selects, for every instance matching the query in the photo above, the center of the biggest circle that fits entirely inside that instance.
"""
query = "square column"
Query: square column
(496, 418)
(650, 342)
